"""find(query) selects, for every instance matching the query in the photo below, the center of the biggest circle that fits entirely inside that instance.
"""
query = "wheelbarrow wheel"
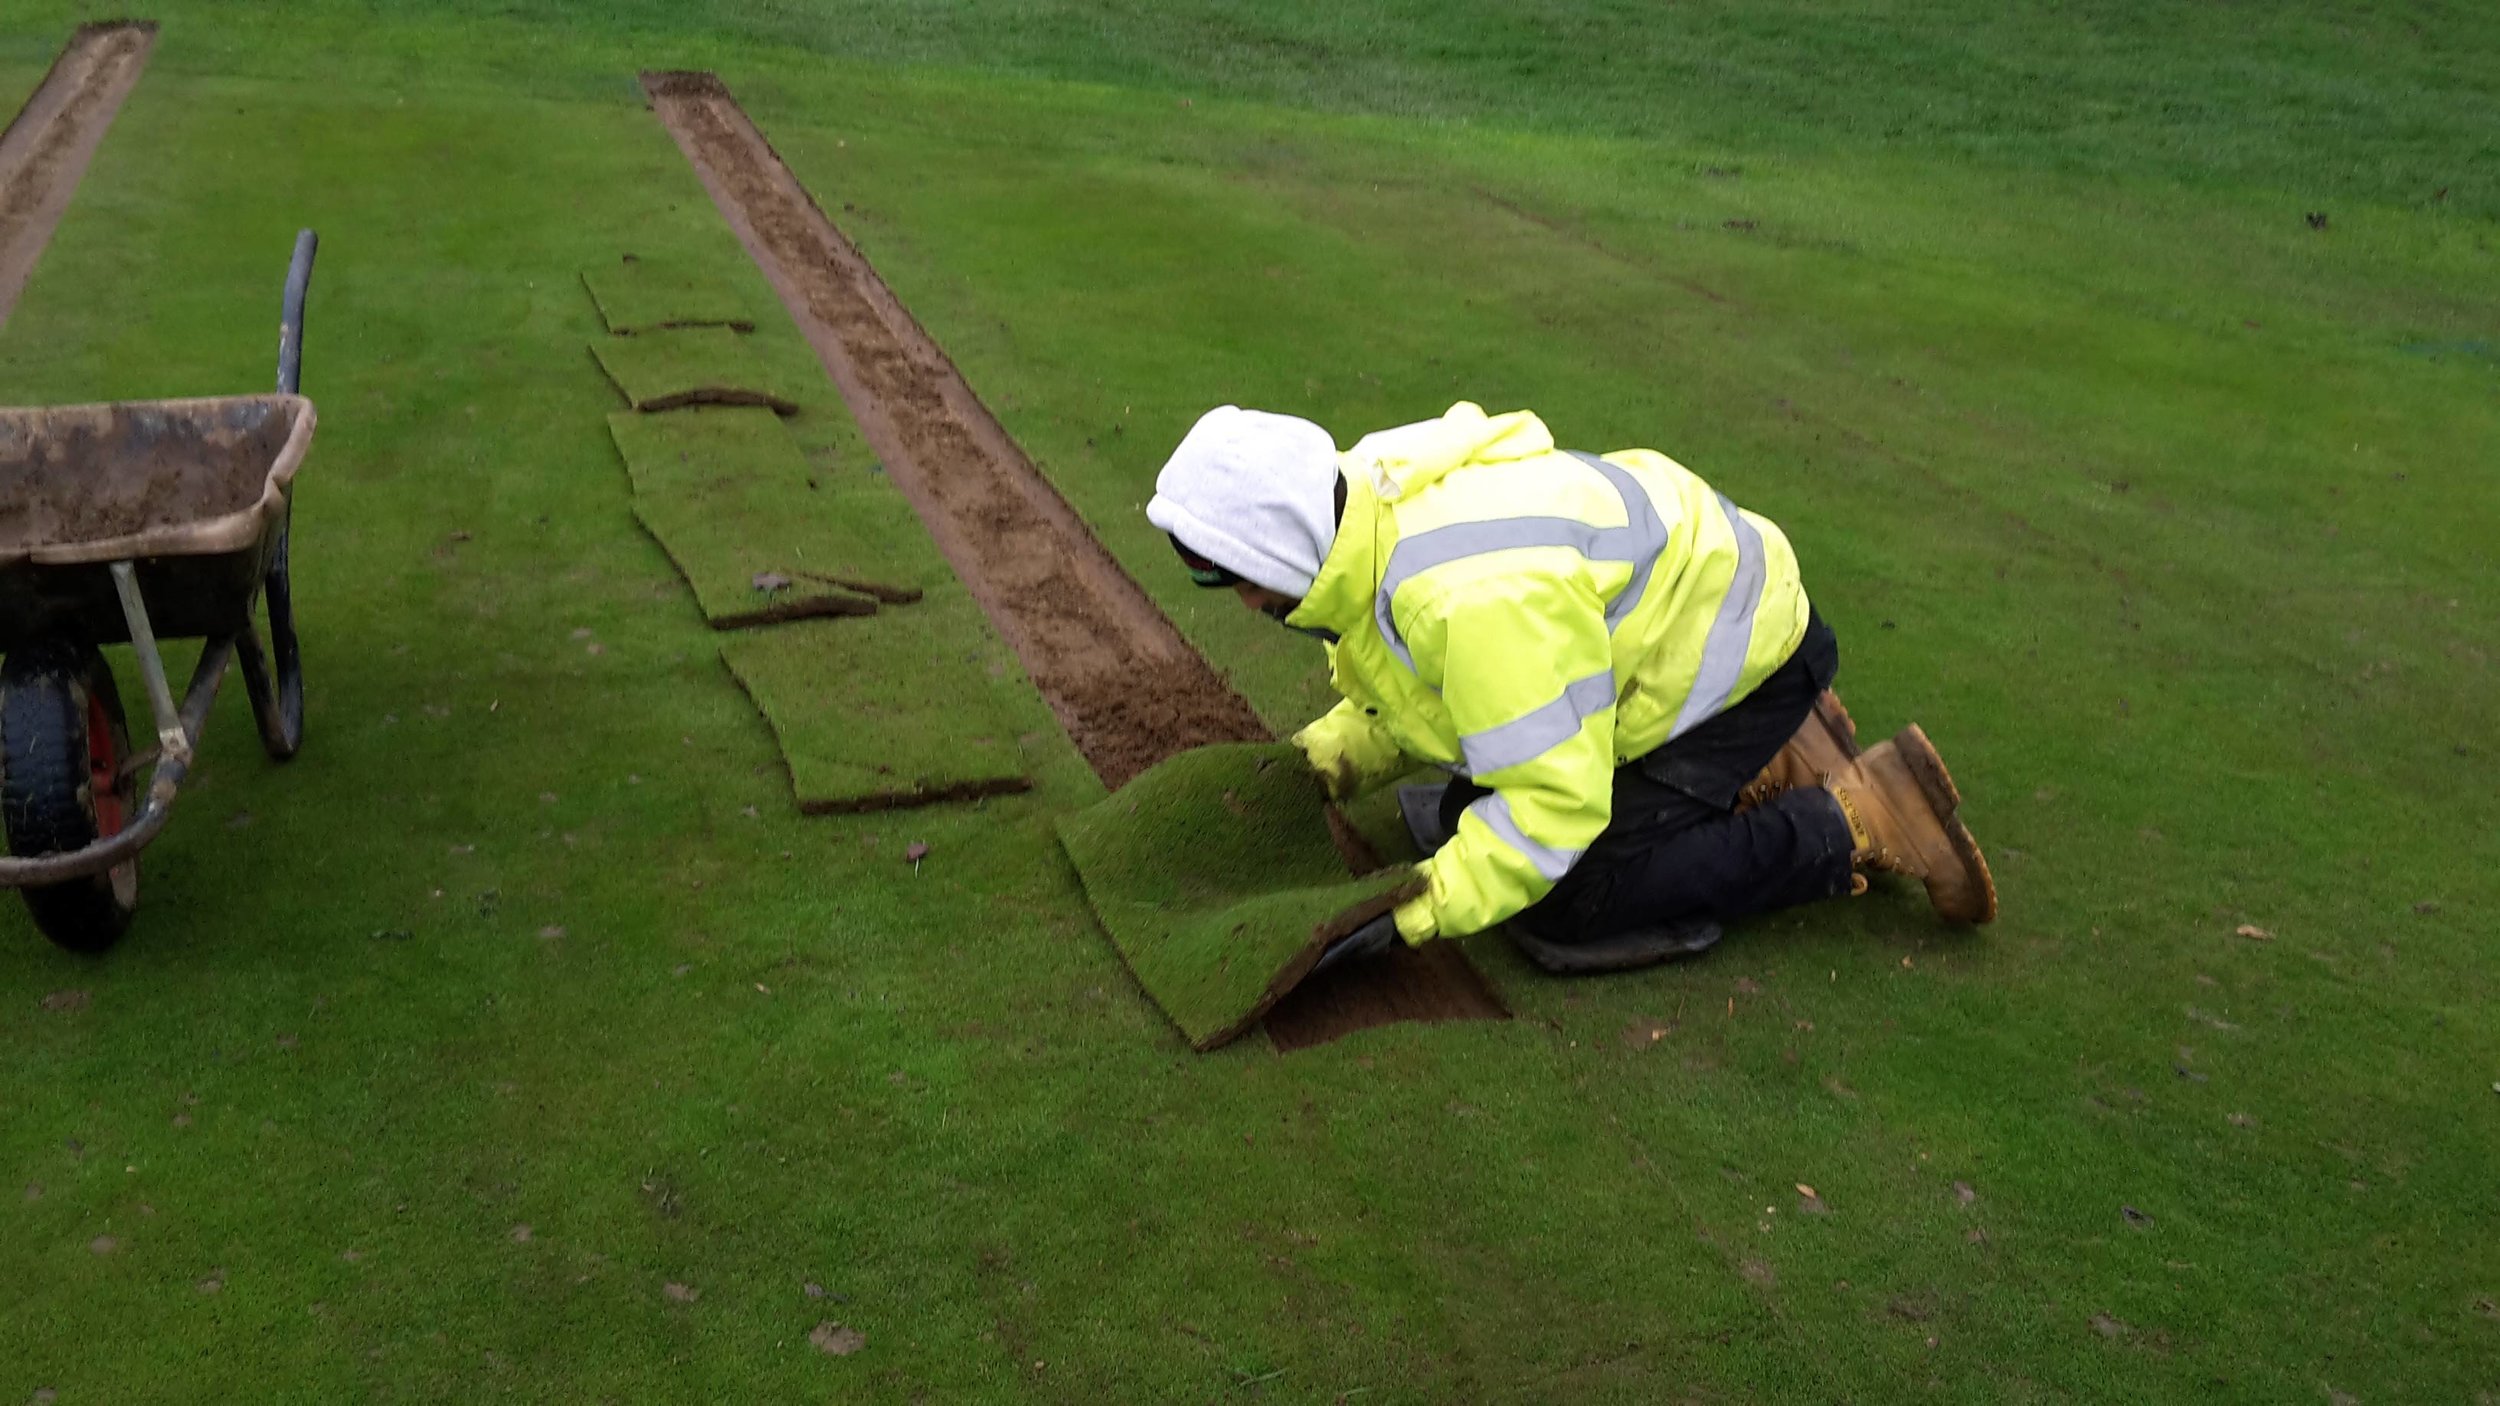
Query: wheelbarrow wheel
(66, 782)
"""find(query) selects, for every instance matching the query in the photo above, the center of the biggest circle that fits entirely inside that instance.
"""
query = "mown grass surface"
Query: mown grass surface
(2163, 511)
(2315, 98)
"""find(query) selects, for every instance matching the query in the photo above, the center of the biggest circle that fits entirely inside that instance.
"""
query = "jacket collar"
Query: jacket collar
(1340, 598)
(1387, 468)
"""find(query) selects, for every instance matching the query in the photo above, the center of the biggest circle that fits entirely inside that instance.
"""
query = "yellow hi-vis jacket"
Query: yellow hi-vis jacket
(1532, 619)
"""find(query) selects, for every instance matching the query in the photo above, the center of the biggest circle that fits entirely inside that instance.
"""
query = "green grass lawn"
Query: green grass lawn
(523, 995)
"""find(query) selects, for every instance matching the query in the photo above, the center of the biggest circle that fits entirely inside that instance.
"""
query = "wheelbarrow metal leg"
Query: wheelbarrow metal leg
(171, 735)
(269, 711)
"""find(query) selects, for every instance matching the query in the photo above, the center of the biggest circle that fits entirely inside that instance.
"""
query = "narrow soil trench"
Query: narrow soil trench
(1127, 688)
(47, 146)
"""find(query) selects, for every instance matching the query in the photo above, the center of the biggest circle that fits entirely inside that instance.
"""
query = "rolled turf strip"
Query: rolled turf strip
(1217, 878)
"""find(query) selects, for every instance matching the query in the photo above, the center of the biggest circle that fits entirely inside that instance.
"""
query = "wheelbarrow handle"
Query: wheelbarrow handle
(291, 317)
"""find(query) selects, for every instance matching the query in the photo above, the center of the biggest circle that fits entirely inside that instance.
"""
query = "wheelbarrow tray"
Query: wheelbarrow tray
(194, 492)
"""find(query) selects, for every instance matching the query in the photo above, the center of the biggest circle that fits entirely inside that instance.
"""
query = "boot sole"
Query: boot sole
(1836, 721)
(1623, 952)
(1945, 799)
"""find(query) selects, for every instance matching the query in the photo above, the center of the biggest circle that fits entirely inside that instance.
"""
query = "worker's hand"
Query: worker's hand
(1361, 945)
(1350, 750)
(1342, 778)
(1338, 777)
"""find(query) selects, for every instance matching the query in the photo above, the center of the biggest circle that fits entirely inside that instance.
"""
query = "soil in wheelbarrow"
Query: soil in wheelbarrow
(88, 473)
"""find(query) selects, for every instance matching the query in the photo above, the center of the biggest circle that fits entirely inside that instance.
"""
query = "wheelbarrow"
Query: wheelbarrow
(134, 523)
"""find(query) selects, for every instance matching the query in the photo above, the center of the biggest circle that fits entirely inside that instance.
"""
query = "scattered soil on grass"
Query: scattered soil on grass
(46, 148)
(837, 1340)
(1127, 688)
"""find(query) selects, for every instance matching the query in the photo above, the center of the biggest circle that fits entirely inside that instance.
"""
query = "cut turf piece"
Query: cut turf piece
(1219, 880)
(730, 498)
(878, 714)
(642, 295)
(686, 366)
(730, 602)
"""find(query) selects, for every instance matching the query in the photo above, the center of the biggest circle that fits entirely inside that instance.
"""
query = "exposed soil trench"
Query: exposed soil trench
(1123, 683)
(47, 146)
(1127, 688)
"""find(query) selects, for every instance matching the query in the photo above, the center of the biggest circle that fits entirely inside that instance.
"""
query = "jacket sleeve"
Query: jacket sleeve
(1351, 751)
(1525, 665)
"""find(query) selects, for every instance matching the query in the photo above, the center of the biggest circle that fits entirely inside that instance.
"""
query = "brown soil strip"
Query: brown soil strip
(1124, 684)
(46, 149)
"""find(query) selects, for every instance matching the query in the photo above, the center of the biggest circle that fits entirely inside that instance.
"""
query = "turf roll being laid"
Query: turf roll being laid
(645, 295)
(734, 503)
(1219, 881)
(874, 715)
(681, 366)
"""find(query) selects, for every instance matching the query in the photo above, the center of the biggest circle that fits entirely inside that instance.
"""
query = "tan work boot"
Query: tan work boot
(1901, 802)
(1825, 742)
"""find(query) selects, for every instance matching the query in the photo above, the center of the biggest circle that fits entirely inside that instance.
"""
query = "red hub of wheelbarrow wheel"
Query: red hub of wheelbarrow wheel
(104, 770)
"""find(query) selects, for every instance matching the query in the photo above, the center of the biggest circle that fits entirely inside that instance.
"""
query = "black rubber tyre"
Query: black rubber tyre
(65, 781)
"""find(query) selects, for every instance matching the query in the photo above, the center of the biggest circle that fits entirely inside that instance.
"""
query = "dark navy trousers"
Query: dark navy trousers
(1676, 848)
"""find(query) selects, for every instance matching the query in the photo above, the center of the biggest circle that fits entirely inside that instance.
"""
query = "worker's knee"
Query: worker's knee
(1597, 899)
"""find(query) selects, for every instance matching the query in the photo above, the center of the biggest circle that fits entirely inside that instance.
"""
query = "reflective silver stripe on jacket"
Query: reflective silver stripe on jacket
(1731, 634)
(1541, 729)
(1639, 542)
(1552, 863)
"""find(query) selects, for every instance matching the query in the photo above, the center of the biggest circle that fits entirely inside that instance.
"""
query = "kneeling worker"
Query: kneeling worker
(1619, 666)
